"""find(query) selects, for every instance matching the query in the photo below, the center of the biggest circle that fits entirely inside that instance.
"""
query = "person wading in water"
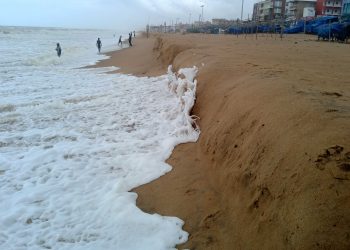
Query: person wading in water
(59, 50)
(130, 38)
(120, 43)
(99, 45)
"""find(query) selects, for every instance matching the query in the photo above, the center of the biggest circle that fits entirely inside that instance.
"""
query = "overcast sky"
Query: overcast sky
(115, 14)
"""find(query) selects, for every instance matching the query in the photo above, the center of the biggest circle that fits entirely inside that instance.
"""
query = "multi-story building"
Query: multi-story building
(256, 12)
(268, 10)
(295, 8)
(328, 7)
(279, 8)
(346, 7)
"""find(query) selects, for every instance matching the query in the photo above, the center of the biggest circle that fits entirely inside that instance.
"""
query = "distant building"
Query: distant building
(279, 9)
(346, 7)
(295, 8)
(200, 23)
(309, 12)
(221, 22)
(256, 12)
(161, 29)
(268, 10)
(328, 7)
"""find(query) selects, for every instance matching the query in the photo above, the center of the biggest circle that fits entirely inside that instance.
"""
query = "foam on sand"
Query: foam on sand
(73, 150)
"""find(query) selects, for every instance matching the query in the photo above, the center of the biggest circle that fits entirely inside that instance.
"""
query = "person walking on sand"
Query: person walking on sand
(120, 43)
(99, 45)
(130, 39)
(59, 50)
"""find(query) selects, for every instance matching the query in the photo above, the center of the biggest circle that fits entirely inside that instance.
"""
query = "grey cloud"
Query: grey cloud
(128, 14)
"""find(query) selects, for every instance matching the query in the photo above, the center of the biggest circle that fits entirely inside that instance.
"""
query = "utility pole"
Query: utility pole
(189, 19)
(177, 23)
(147, 28)
(242, 11)
(329, 30)
(202, 6)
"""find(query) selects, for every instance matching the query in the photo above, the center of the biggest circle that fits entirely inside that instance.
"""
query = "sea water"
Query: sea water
(74, 142)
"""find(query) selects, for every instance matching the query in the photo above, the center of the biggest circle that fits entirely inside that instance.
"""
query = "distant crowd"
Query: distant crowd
(99, 43)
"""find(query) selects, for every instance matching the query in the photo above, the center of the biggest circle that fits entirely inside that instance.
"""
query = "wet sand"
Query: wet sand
(271, 169)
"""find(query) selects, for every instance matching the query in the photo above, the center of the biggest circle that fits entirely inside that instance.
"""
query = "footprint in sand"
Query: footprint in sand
(336, 94)
(336, 161)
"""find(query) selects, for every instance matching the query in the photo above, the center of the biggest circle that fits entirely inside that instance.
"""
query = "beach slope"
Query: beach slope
(271, 169)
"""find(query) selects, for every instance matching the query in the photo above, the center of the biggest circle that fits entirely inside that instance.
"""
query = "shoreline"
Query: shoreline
(266, 165)
(133, 60)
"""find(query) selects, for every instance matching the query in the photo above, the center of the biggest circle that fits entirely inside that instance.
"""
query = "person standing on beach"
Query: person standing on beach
(99, 45)
(134, 33)
(120, 43)
(130, 39)
(59, 50)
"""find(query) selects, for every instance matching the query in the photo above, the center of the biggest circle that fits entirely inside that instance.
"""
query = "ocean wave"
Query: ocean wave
(44, 60)
(184, 85)
(7, 108)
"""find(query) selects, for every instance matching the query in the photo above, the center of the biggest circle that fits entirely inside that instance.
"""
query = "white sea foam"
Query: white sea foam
(74, 142)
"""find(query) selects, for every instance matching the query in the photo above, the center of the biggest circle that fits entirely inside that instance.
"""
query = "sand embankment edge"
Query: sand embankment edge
(270, 170)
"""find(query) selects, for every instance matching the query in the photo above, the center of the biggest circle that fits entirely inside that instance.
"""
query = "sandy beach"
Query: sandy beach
(271, 169)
